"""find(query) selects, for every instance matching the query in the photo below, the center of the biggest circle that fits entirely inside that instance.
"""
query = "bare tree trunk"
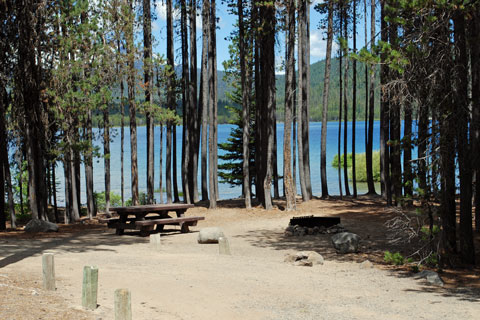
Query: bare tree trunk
(170, 99)
(369, 146)
(340, 77)
(395, 156)
(27, 80)
(75, 214)
(407, 154)
(244, 75)
(268, 85)
(122, 138)
(148, 82)
(475, 124)
(205, 93)
(131, 102)
(160, 175)
(106, 158)
(91, 209)
(68, 188)
(345, 104)
(276, 192)
(213, 32)
(54, 191)
(194, 114)
(367, 79)
(289, 98)
(3, 158)
(301, 105)
(306, 101)
(326, 91)
(354, 100)
(467, 249)
(212, 144)
(186, 99)
(384, 120)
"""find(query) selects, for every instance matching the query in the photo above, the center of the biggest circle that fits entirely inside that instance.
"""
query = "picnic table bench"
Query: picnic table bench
(135, 217)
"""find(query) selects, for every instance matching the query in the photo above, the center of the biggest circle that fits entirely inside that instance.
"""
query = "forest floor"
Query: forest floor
(187, 280)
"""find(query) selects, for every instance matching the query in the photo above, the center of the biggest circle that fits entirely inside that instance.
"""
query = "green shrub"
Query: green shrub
(360, 165)
(394, 258)
(22, 219)
(115, 200)
(425, 231)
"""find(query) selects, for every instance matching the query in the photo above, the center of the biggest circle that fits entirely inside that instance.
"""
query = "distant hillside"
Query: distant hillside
(317, 73)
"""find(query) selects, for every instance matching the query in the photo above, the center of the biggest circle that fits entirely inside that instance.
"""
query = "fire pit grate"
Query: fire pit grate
(312, 221)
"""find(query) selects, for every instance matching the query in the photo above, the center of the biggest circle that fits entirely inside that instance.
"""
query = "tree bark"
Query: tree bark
(369, 146)
(354, 100)
(467, 249)
(91, 209)
(148, 83)
(132, 104)
(475, 124)
(27, 80)
(244, 75)
(106, 158)
(326, 92)
(345, 104)
(289, 98)
(186, 99)
(204, 82)
(194, 113)
(268, 86)
(4, 156)
(340, 78)
(212, 143)
(170, 100)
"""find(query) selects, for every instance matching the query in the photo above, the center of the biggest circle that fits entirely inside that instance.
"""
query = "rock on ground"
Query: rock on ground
(431, 276)
(210, 235)
(367, 264)
(346, 242)
(304, 258)
(37, 225)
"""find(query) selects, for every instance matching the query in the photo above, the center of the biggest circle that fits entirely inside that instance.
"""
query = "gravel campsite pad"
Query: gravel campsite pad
(186, 280)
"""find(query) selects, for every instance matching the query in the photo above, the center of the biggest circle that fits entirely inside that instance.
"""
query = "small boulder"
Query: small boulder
(346, 242)
(367, 264)
(431, 276)
(303, 263)
(210, 235)
(311, 257)
(37, 225)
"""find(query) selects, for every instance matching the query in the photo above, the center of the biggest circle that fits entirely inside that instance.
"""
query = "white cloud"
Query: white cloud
(318, 45)
(161, 11)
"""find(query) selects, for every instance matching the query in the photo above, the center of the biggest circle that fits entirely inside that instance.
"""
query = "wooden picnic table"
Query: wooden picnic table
(135, 217)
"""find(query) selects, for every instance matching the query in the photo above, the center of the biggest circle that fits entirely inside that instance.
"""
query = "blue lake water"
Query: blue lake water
(225, 190)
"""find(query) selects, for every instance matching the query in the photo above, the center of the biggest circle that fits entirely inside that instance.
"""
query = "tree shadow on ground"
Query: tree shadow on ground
(365, 217)
(13, 250)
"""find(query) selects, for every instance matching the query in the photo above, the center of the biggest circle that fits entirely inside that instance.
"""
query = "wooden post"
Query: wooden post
(155, 241)
(48, 269)
(123, 304)
(223, 246)
(90, 287)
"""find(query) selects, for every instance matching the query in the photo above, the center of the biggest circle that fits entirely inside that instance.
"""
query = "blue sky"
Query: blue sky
(226, 25)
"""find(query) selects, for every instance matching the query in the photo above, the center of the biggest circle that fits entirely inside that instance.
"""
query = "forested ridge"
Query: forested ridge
(317, 74)
(66, 66)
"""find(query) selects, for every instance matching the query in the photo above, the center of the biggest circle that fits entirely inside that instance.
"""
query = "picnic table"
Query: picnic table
(146, 217)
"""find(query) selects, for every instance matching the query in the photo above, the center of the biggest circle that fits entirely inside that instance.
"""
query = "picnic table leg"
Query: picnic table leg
(180, 213)
(184, 227)
(145, 230)
(122, 220)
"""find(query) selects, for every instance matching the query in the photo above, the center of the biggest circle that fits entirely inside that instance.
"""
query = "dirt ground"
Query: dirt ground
(187, 280)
